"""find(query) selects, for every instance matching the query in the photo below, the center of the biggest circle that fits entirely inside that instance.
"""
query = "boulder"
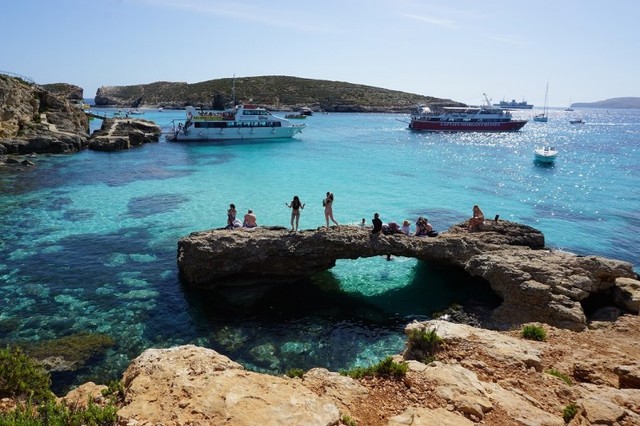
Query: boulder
(117, 134)
(627, 294)
(193, 385)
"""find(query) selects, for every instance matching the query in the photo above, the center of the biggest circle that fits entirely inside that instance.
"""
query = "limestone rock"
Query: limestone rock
(518, 352)
(33, 119)
(192, 385)
(80, 396)
(627, 294)
(628, 375)
(520, 408)
(536, 285)
(460, 387)
(119, 133)
(427, 417)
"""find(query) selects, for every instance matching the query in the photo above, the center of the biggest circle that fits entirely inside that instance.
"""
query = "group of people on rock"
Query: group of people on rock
(250, 220)
(423, 227)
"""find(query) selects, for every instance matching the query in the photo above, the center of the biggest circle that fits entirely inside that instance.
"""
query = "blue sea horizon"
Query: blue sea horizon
(89, 239)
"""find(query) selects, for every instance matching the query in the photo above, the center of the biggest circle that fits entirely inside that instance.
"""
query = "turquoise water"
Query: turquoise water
(88, 241)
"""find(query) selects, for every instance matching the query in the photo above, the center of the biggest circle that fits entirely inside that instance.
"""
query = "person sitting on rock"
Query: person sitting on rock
(250, 220)
(476, 220)
(406, 227)
(424, 228)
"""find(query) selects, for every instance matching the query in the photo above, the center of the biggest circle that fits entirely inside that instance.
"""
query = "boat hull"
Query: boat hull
(240, 133)
(467, 126)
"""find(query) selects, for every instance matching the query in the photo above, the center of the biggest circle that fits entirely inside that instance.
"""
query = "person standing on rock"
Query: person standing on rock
(295, 207)
(377, 224)
(327, 203)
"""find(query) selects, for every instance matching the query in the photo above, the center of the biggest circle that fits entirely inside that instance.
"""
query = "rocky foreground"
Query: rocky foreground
(479, 377)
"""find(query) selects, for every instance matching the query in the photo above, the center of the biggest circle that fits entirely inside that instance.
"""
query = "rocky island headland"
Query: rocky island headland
(490, 375)
(281, 93)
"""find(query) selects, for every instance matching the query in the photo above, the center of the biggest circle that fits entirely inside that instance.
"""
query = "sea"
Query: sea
(88, 241)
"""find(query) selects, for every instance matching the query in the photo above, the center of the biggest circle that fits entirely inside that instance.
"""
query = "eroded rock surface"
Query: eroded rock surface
(535, 284)
(480, 377)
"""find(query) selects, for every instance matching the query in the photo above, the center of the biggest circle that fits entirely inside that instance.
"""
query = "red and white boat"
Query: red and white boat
(485, 118)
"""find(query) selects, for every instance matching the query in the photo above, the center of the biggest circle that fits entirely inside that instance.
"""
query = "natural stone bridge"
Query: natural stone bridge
(535, 284)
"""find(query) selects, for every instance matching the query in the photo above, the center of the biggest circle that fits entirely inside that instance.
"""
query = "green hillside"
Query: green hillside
(276, 92)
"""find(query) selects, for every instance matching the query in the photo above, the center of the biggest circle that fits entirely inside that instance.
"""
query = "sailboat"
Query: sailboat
(543, 118)
(569, 107)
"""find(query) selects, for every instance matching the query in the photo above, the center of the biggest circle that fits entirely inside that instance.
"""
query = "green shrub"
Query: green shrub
(569, 412)
(114, 391)
(348, 421)
(53, 413)
(560, 375)
(294, 372)
(422, 345)
(385, 368)
(23, 377)
(534, 332)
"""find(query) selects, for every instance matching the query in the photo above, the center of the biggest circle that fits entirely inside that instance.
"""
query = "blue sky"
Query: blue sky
(587, 50)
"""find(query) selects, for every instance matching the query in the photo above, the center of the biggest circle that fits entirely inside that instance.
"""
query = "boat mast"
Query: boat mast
(233, 91)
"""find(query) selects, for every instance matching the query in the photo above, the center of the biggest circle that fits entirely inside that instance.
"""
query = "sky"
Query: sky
(587, 50)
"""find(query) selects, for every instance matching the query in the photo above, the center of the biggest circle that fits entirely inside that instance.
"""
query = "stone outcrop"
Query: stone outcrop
(67, 91)
(535, 284)
(34, 120)
(479, 377)
(192, 385)
(123, 133)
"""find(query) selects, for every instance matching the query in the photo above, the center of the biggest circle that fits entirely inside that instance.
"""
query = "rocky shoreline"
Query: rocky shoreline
(479, 377)
(36, 121)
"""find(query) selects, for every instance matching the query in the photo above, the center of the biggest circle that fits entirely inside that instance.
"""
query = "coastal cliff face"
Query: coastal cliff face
(535, 284)
(34, 120)
(478, 376)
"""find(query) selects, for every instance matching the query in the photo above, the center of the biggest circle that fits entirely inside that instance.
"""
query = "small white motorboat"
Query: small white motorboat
(546, 154)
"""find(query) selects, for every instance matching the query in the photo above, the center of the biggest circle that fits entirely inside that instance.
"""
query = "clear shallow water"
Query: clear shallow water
(88, 241)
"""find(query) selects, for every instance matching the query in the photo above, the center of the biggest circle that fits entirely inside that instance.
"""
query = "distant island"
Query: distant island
(629, 102)
(274, 92)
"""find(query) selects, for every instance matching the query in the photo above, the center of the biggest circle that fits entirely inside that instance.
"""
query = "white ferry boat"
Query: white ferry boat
(242, 122)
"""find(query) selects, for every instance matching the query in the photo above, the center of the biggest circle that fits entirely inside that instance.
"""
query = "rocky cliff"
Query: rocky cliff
(34, 120)
(534, 283)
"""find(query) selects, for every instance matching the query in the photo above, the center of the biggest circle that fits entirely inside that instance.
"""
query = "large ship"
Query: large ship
(513, 104)
(485, 118)
(241, 122)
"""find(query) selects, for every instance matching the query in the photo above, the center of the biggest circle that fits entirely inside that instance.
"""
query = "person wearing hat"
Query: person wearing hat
(406, 227)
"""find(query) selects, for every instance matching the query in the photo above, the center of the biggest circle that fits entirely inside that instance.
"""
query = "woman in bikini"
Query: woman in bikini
(477, 219)
(295, 207)
(328, 208)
